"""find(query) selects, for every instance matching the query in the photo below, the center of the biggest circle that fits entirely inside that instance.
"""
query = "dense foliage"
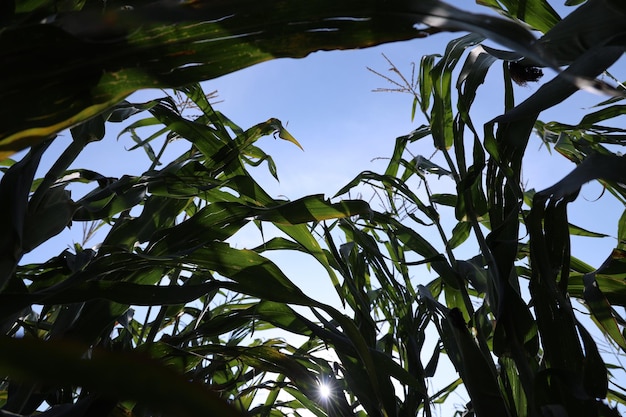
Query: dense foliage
(166, 316)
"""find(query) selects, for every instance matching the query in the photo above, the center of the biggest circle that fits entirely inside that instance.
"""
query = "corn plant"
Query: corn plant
(165, 317)
(165, 250)
(505, 317)
(80, 58)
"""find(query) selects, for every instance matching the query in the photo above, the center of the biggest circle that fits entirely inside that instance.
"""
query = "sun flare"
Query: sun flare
(324, 390)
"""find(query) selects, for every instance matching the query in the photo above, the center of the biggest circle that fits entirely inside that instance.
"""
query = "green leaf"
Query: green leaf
(111, 199)
(601, 310)
(554, 315)
(592, 25)
(590, 64)
(537, 13)
(621, 232)
(15, 187)
(579, 231)
(441, 115)
(511, 381)
(449, 200)
(313, 208)
(307, 241)
(595, 375)
(605, 166)
(53, 214)
(158, 213)
(425, 80)
(145, 380)
(396, 184)
(401, 143)
(119, 292)
(471, 77)
(98, 59)
(425, 165)
(601, 115)
(473, 367)
(460, 233)
(254, 274)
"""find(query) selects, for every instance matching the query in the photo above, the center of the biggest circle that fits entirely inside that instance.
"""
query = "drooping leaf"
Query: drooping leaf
(537, 13)
(256, 275)
(592, 25)
(595, 375)
(471, 77)
(313, 208)
(401, 143)
(442, 119)
(425, 81)
(590, 64)
(64, 362)
(473, 367)
(15, 188)
(424, 165)
(460, 233)
(53, 214)
(119, 292)
(601, 310)
(94, 64)
(607, 167)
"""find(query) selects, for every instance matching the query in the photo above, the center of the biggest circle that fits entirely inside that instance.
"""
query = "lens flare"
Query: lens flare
(324, 391)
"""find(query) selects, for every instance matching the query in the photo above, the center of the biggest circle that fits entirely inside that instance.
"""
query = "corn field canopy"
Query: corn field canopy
(168, 316)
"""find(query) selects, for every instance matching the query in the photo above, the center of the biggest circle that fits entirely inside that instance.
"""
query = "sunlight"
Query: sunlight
(324, 391)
